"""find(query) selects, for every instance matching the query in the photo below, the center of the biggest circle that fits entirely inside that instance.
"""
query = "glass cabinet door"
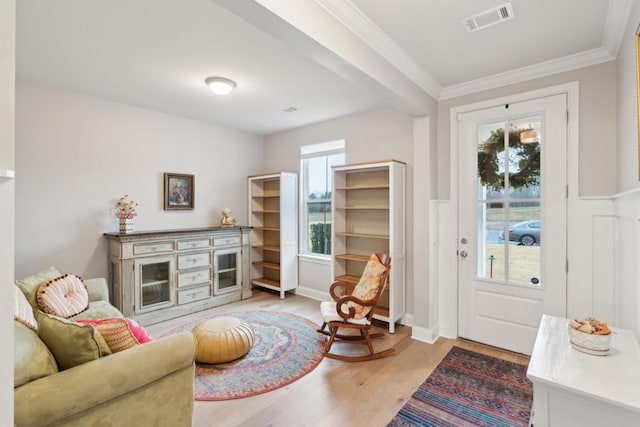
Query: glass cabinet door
(154, 283)
(227, 272)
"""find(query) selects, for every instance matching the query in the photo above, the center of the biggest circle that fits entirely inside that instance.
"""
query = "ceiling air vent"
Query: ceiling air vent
(488, 18)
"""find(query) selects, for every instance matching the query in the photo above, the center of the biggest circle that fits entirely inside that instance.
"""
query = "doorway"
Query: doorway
(512, 221)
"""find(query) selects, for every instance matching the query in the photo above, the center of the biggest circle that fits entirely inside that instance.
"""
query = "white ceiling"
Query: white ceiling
(156, 54)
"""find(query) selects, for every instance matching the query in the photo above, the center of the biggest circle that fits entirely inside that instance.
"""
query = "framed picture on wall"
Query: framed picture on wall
(179, 191)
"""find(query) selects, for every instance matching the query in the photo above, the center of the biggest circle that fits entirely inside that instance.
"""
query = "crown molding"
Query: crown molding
(359, 24)
(615, 25)
(543, 69)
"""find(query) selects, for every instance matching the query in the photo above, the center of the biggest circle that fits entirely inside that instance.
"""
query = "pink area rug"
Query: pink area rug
(286, 348)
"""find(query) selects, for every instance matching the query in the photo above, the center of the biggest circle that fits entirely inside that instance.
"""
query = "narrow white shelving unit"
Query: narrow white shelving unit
(273, 216)
(368, 214)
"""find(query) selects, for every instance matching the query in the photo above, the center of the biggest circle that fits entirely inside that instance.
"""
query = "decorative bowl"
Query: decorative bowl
(589, 343)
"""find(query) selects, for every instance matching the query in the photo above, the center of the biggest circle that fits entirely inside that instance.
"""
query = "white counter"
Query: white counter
(574, 388)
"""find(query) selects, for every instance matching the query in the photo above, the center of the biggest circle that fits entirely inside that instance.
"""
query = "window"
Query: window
(316, 163)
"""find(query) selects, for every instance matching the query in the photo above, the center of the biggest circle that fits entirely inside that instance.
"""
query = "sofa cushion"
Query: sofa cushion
(119, 333)
(71, 343)
(64, 296)
(31, 358)
(98, 310)
(98, 289)
(22, 310)
(29, 285)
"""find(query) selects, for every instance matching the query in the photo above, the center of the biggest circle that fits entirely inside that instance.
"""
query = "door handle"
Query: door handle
(463, 254)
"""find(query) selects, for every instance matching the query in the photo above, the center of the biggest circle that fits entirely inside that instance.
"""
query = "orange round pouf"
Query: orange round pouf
(222, 339)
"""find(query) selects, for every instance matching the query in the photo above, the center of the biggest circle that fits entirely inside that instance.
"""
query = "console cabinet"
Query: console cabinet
(368, 213)
(572, 388)
(273, 216)
(159, 275)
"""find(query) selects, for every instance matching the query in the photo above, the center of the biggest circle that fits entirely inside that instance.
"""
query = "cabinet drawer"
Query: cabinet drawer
(186, 296)
(152, 248)
(194, 277)
(193, 244)
(226, 241)
(194, 260)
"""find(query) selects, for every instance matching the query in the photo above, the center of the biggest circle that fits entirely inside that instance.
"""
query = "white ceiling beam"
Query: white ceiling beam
(316, 33)
(362, 26)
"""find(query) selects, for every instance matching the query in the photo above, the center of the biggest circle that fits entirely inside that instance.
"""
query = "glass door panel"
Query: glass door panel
(227, 274)
(226, 280)
(154, 281)
(508, 201)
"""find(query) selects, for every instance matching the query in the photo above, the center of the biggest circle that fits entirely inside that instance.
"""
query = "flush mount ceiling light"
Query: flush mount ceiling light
(220, 85)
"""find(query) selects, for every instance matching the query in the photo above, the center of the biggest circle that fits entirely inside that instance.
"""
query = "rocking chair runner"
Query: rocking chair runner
(352, 308)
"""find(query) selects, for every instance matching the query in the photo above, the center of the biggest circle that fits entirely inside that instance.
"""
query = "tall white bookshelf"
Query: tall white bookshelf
(368, 215)
(273, 216)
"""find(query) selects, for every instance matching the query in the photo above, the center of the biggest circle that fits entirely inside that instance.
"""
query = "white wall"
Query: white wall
(7, 207)
(75, 155)
(627, 108)
(627, 202)
(597, 155)
(374, 135)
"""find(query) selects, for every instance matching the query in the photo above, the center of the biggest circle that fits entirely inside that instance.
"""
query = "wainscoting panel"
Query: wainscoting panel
(314, 277)
(447, 268)
(591, 241)
(603, 287)
(627, 210)
(627, 259)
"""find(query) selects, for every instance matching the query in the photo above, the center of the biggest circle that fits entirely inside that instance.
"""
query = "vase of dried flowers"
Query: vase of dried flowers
(126, 212)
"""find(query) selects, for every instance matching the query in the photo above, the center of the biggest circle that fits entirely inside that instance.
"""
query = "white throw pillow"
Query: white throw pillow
(64, 296)
(22, 310)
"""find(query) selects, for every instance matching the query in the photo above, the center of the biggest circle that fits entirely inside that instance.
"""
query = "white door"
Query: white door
(512, 220)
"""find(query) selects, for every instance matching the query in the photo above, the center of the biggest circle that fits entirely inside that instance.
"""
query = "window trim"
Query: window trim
(322, 149)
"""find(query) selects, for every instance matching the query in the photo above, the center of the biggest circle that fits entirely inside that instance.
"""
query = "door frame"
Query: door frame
(448, 213)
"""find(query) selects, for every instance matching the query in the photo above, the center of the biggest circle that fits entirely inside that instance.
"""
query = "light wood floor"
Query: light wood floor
(335, 393)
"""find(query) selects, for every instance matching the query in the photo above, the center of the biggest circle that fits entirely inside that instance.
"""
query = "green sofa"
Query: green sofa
(147, 385)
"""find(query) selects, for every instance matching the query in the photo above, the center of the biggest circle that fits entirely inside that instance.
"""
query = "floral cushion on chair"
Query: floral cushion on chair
(368, 286)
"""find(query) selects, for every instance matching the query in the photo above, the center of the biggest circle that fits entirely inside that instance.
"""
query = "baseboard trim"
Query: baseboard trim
(419, 333)
(424, 334)
(313, 293)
